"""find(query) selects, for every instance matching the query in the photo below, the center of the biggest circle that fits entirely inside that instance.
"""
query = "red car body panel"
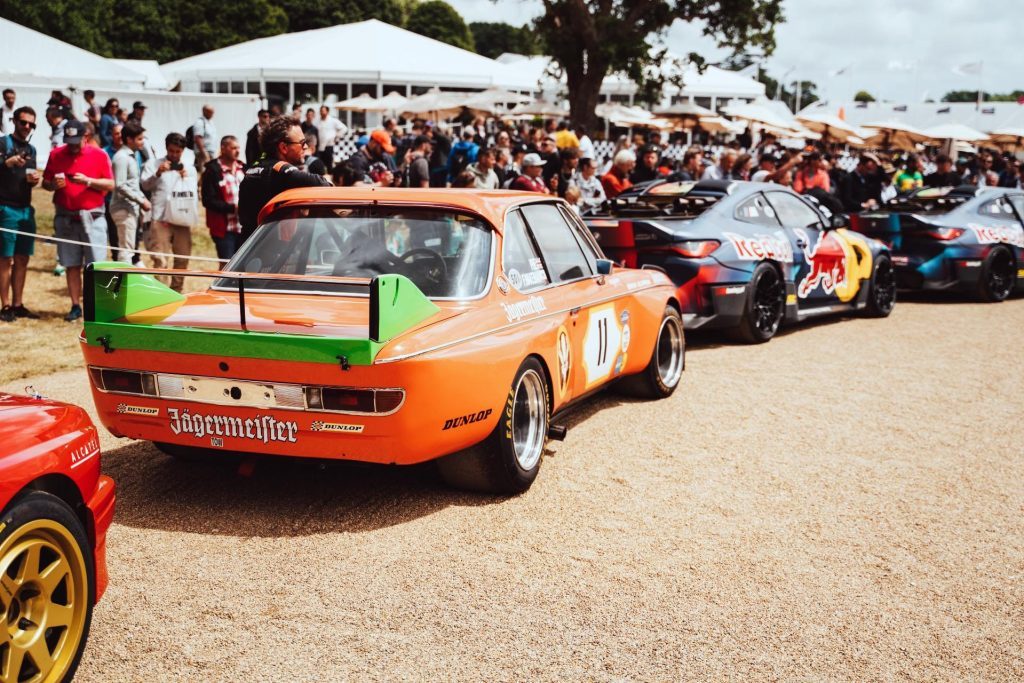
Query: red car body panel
(45, 442)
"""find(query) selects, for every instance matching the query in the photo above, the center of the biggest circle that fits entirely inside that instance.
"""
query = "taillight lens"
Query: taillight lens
(124, 381)
(945, 234)
(347, 400)
(695, 248)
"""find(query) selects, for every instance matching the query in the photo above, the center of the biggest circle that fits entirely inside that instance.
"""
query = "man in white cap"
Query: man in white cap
(531, 180)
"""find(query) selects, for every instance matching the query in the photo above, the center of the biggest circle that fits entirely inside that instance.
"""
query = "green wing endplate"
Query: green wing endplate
(115, 292)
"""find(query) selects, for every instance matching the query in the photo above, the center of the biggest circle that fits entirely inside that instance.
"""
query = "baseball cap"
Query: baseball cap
(138, 105)
(73, 132)
(382, 138)
(533, 160)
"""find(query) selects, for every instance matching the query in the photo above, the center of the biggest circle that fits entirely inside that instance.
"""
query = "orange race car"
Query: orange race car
(384, 325)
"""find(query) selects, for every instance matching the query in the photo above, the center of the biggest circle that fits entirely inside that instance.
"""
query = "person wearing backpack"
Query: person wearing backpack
(464, 153)
(174, 186)
(205, 139)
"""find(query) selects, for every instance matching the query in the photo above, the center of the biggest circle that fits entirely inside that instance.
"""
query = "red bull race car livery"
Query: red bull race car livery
(56, 508)
(966, 239)
(394, 326)
(746, 257)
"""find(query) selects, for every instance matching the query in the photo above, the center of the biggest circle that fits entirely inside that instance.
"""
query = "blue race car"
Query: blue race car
(965, 239)
(746, 257)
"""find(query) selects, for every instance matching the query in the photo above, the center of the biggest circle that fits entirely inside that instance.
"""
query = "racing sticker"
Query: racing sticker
(85, 452)
(624, 319)
(761, 246)
(602, 343)
(319, 426)
(824, 269)
(125, 409)
(265, 428)
(564, 351)
(519, 310)
(995, 234)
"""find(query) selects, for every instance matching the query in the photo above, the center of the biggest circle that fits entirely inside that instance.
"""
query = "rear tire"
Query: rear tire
(47, 565)
(998, 275)
(882, 292)
(668, 359)
(508, 460)
(764, 307)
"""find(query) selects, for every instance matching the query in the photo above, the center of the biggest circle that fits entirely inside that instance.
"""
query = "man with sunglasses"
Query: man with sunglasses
(284, 148)
(18, 175)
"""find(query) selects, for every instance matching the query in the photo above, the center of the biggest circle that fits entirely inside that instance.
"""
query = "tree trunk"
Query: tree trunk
(584, 92)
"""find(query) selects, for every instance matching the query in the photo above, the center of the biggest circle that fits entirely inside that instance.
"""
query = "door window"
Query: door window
(999, 208)
(757, 210)
(1018, 203)
(792, 212)
(519, 258)
(559, 247)
(586, 239)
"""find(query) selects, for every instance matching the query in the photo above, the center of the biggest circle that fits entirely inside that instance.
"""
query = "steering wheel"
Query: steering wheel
(432, 269)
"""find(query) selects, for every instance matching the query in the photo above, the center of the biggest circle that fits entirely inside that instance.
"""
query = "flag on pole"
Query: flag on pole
(968, 69)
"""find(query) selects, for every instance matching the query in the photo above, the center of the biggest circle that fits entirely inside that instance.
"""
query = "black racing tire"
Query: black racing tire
(668, 360)
(508, 460)
(49, 600)
(765, 305)
(882, 289)
(998, 276)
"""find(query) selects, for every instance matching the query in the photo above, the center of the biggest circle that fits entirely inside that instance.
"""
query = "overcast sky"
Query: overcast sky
(901, 50)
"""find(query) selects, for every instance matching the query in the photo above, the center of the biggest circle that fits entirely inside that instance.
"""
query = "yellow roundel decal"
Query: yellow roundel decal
(563, 350)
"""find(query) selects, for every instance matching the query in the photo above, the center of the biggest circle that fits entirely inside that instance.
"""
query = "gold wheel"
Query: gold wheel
(44, 595)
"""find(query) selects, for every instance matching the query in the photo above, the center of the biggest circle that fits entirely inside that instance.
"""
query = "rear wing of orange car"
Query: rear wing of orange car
(124, 308)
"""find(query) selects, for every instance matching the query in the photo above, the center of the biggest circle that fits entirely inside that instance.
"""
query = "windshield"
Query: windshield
(447, 255)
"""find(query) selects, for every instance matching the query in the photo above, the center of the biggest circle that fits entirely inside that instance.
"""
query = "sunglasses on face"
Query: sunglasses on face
(303, 143)
(23, 122)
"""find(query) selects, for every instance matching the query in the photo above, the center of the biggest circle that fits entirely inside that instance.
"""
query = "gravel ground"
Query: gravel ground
(842, 503)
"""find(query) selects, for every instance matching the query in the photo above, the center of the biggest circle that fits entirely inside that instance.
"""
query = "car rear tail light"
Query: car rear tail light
(945, 234)
(351, 400)
(124, 381)
(695, 248)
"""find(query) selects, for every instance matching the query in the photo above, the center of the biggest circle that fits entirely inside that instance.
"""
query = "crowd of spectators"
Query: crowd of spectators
(112, 191)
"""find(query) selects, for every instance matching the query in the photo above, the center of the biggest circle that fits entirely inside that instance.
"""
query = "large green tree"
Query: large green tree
(495, 38)
(438, 20)
(591, 38)
(863, 96)
(307, 14)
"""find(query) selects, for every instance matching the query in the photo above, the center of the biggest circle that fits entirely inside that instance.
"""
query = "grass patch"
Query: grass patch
(47, 345)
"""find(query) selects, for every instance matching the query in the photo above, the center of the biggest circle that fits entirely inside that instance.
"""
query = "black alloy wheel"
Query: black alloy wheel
(882, 297)
(766, 300)
(998, 277)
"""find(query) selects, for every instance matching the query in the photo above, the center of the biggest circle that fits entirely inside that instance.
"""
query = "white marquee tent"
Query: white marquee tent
(27, 56)
(367, 53)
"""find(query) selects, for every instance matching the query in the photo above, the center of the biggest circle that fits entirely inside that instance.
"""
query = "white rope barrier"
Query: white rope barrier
(49, 238)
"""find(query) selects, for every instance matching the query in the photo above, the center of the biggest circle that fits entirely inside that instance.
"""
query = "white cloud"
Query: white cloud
(822, 36)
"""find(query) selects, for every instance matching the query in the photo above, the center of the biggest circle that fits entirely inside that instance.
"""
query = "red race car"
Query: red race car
(56, 508)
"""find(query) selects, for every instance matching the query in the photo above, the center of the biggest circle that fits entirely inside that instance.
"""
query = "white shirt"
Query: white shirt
(204, 128)
(161, 185)
(327, 132)
(586, 147)
(591, 190)
(7, 118)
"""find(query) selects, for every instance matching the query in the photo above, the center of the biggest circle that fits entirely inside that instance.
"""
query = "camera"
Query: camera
(177, 166)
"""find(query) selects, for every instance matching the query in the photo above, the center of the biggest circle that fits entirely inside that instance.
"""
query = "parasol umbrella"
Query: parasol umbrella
(955, 131)
(763, 116)
(442, 105)
(393, 101)
(830, 126)
(894, 135)
(687, 113)
(714, 124)
(495, 101)
(361, 103)
(1010, 139)
(538, 108)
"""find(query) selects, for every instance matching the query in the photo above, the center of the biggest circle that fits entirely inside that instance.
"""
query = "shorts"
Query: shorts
(18, 218)
(88, 226)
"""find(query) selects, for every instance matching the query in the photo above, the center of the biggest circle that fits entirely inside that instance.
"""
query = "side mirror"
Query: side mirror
(604, 266)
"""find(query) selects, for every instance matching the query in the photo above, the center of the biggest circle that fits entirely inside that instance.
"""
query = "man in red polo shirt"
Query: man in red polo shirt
(531, 179)
(79, 176)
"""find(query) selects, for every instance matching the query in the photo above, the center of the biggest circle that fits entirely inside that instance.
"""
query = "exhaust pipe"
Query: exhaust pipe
(557, 432)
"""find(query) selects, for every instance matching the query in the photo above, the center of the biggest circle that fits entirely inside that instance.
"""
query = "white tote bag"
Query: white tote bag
(182, 203)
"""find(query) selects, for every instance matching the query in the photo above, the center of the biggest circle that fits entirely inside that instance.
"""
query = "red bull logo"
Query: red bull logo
(826, 267)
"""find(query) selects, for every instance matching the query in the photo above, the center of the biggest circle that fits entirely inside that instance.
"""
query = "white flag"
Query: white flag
(968, 69)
